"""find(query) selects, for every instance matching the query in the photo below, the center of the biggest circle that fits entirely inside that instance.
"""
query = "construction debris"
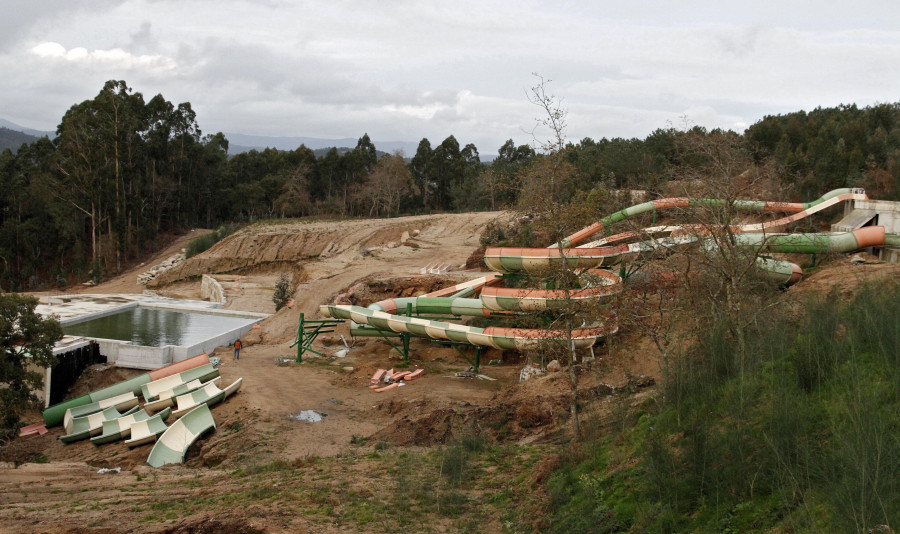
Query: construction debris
(310, 416)
(392, 379)
(145, 277)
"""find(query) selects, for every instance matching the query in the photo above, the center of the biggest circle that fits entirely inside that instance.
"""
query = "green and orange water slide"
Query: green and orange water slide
(483, 297)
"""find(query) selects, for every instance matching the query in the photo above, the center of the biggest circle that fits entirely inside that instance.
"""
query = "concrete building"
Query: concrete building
(860, 213)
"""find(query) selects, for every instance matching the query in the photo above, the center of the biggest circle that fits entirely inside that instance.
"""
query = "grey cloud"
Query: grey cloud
(405, 70)
(21, 20)
(144, 40)
(740, 43)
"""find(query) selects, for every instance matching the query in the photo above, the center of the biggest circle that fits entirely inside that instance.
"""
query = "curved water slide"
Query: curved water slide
(515, 260)
(386, 316)
(496, 337)
(480, 298)
(799, 210)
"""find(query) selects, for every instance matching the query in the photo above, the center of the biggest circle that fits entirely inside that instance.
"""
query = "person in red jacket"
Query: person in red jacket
(237, 349)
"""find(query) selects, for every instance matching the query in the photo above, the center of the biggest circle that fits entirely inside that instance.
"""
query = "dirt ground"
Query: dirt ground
(46, 486)
(258, 425)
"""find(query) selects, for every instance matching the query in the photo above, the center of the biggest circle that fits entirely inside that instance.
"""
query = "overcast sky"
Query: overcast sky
(404, 70)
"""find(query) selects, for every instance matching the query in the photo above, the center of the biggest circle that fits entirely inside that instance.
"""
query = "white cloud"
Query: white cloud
(403, 70)
(114, 58)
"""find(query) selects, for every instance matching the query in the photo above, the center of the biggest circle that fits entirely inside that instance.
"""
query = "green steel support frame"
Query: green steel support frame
(308, 331)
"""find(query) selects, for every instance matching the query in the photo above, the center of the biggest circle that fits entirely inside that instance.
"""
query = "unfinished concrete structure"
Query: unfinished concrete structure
(861, 213)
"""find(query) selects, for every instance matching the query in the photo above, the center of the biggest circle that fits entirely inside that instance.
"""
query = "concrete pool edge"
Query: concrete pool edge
(124, 354)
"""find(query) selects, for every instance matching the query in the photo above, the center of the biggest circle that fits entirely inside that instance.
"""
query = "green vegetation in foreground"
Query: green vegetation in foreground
(26, 349)
(805, 439)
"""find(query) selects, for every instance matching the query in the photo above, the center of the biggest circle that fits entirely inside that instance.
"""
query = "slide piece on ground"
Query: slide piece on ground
(173, 444)
(55, 414)
(91, 425)
(209, 395)
(122, 402)
(120, 428)
(234, 387)
(151, 390)
(166, 399)
(147, 431)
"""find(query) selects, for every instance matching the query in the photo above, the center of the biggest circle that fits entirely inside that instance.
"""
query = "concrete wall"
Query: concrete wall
(888, 213)
(124, 354)
(890, 255)
(97, 314)
(222, 340)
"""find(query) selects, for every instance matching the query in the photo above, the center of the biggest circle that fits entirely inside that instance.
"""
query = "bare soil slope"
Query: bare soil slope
(263, 470)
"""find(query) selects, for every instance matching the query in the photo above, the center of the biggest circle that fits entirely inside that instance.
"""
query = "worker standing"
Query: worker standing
(237, 349)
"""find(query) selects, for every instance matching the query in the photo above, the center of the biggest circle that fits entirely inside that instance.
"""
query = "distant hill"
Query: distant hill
(30, 131)
(238, 143)
(244, 143)
(13, 139)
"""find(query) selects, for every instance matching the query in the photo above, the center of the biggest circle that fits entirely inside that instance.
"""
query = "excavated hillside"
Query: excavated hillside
(264, 469)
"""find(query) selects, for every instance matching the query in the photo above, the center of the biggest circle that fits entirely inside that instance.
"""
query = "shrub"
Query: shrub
(282, 291)
(206, 241)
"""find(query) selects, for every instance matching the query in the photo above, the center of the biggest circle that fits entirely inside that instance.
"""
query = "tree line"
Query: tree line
(122, 170)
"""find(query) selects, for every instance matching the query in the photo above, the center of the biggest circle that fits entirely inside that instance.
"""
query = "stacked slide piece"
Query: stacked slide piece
(148, 430)
(91, 425)
(120, 428)
(54, 414)
(122, 402)
(152, 390)
(209, 395)
(166, 398)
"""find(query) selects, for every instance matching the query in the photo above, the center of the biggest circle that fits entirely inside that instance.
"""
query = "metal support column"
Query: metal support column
(307, 331)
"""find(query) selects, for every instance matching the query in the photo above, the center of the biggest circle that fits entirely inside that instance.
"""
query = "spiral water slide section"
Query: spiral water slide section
(385, 316)
(513, 260)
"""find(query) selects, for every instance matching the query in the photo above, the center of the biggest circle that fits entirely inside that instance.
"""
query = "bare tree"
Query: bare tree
(389, 181)
(294, 199)
(547, 188)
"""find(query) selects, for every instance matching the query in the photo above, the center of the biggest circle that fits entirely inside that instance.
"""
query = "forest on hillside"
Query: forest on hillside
(10, 139)
(123, 170)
